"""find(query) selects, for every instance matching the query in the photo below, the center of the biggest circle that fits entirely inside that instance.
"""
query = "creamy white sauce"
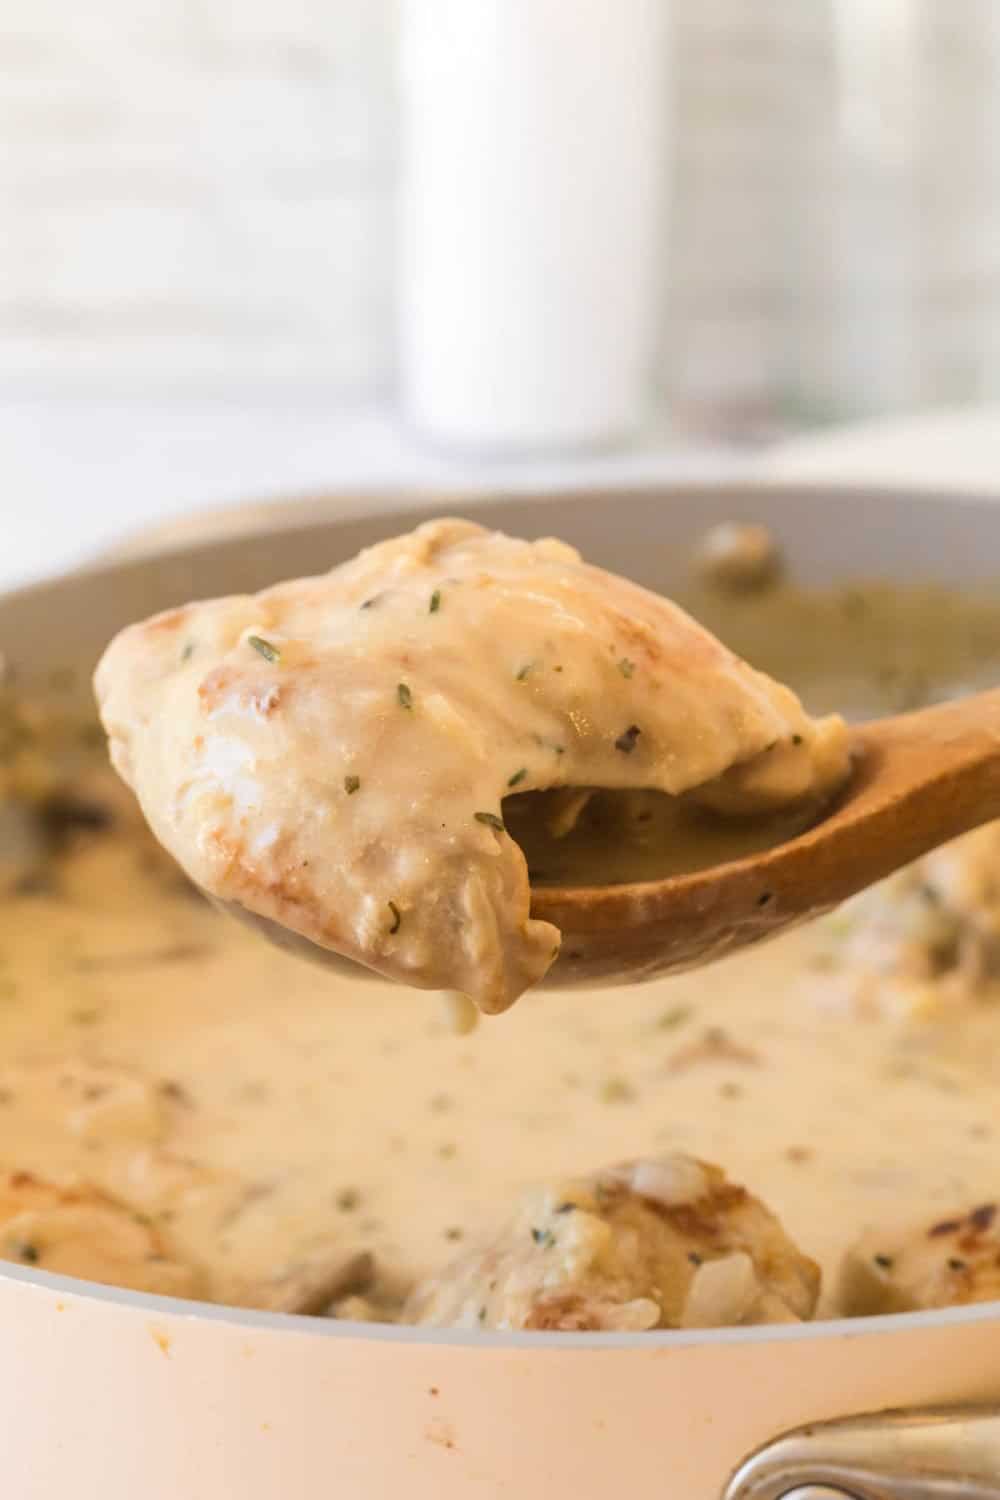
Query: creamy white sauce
(311, 1092)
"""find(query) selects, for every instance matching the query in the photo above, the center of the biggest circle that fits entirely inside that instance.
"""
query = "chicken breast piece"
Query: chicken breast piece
(924, 940)
(653, 1244)
(80, 1231)
(945, 1262)
(333, 754)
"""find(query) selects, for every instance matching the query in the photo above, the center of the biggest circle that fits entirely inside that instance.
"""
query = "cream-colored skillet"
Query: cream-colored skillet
(116, 1394)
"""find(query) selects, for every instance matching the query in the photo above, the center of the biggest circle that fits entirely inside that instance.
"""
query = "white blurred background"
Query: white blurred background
(244, 255)
(199, 195)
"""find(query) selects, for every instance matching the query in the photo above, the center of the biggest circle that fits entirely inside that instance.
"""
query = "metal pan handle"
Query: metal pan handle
(949, 1454)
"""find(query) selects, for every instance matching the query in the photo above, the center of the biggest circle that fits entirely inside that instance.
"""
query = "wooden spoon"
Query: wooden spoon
(919, 780)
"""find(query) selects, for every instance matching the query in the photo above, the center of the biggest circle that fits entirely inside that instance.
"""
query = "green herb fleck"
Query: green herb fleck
(626, 742)
(524, 671)
(28, 1253)
(543, 1237)
(188, 651)
(675, 1016)
(853, 603)
(482, 1315)
(397, 917)
(351, 784)
(626, 667)
(491, 820)
(264, 648)
(617, 1091)
(435, 603)
(404, 696)
(517, 777)
(883, 1261)
(348, 1199)
(796, 739)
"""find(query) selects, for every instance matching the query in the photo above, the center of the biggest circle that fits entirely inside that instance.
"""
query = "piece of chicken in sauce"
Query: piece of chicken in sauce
(80, 1231)
(334, 753)
(947, 1261)
(666, 1243)
(924, 940)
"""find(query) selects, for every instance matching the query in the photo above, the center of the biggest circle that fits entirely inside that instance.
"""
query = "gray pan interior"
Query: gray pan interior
(647, 534)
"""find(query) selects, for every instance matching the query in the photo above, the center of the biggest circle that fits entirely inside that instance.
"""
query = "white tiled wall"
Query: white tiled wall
(193, 188)
(198, 192)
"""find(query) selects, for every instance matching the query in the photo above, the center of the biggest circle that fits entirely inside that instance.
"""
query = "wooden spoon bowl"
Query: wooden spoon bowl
(919, 780)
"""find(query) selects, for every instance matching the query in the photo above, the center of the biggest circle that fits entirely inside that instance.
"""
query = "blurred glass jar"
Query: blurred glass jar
(533, 142)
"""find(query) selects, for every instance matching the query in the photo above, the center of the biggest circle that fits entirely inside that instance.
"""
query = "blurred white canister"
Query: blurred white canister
(531, 225)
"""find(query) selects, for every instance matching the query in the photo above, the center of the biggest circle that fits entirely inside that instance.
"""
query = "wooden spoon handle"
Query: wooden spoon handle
(919, 780)
(924, 778)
